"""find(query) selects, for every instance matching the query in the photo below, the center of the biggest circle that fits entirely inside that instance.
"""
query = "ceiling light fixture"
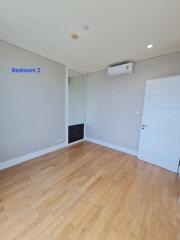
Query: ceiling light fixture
(150, 46)
(74, 36)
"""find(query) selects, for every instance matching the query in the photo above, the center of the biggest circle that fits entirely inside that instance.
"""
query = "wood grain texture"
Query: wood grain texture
(88, 192)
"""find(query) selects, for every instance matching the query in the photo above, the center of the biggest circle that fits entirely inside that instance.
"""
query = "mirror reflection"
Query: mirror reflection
(76, 105)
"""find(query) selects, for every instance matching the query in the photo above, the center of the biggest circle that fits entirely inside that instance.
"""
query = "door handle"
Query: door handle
(144, 126)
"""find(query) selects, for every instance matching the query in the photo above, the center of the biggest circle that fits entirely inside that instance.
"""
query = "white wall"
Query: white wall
(76, 101)
(112, 104)
(32, 105)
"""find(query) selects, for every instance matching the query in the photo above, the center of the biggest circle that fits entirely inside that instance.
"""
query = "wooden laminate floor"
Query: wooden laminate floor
(88, 192)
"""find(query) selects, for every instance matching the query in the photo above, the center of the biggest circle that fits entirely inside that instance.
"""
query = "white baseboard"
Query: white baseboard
(115, 147)
(30, 156)
(18, 160)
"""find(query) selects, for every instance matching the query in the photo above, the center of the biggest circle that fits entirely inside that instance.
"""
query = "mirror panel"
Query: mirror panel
(76, 105)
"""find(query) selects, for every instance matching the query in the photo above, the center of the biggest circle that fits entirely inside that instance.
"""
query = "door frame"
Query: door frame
(66, 104)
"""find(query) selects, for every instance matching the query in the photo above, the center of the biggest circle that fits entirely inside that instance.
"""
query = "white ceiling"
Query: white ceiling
(119, 29)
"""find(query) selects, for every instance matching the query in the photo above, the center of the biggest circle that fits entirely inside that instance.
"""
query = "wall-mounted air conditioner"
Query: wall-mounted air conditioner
(121, 69)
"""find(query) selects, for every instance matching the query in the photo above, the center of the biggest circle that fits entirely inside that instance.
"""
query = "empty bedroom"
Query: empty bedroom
(89, 120)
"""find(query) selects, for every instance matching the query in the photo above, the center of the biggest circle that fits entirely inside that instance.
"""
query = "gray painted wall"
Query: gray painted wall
(32, 106)
(76, 99)
(112, 104)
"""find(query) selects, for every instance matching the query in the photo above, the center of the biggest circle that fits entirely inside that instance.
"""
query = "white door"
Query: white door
(160, 133)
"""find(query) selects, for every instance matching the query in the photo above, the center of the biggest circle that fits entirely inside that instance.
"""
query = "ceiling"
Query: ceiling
(119, 29)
